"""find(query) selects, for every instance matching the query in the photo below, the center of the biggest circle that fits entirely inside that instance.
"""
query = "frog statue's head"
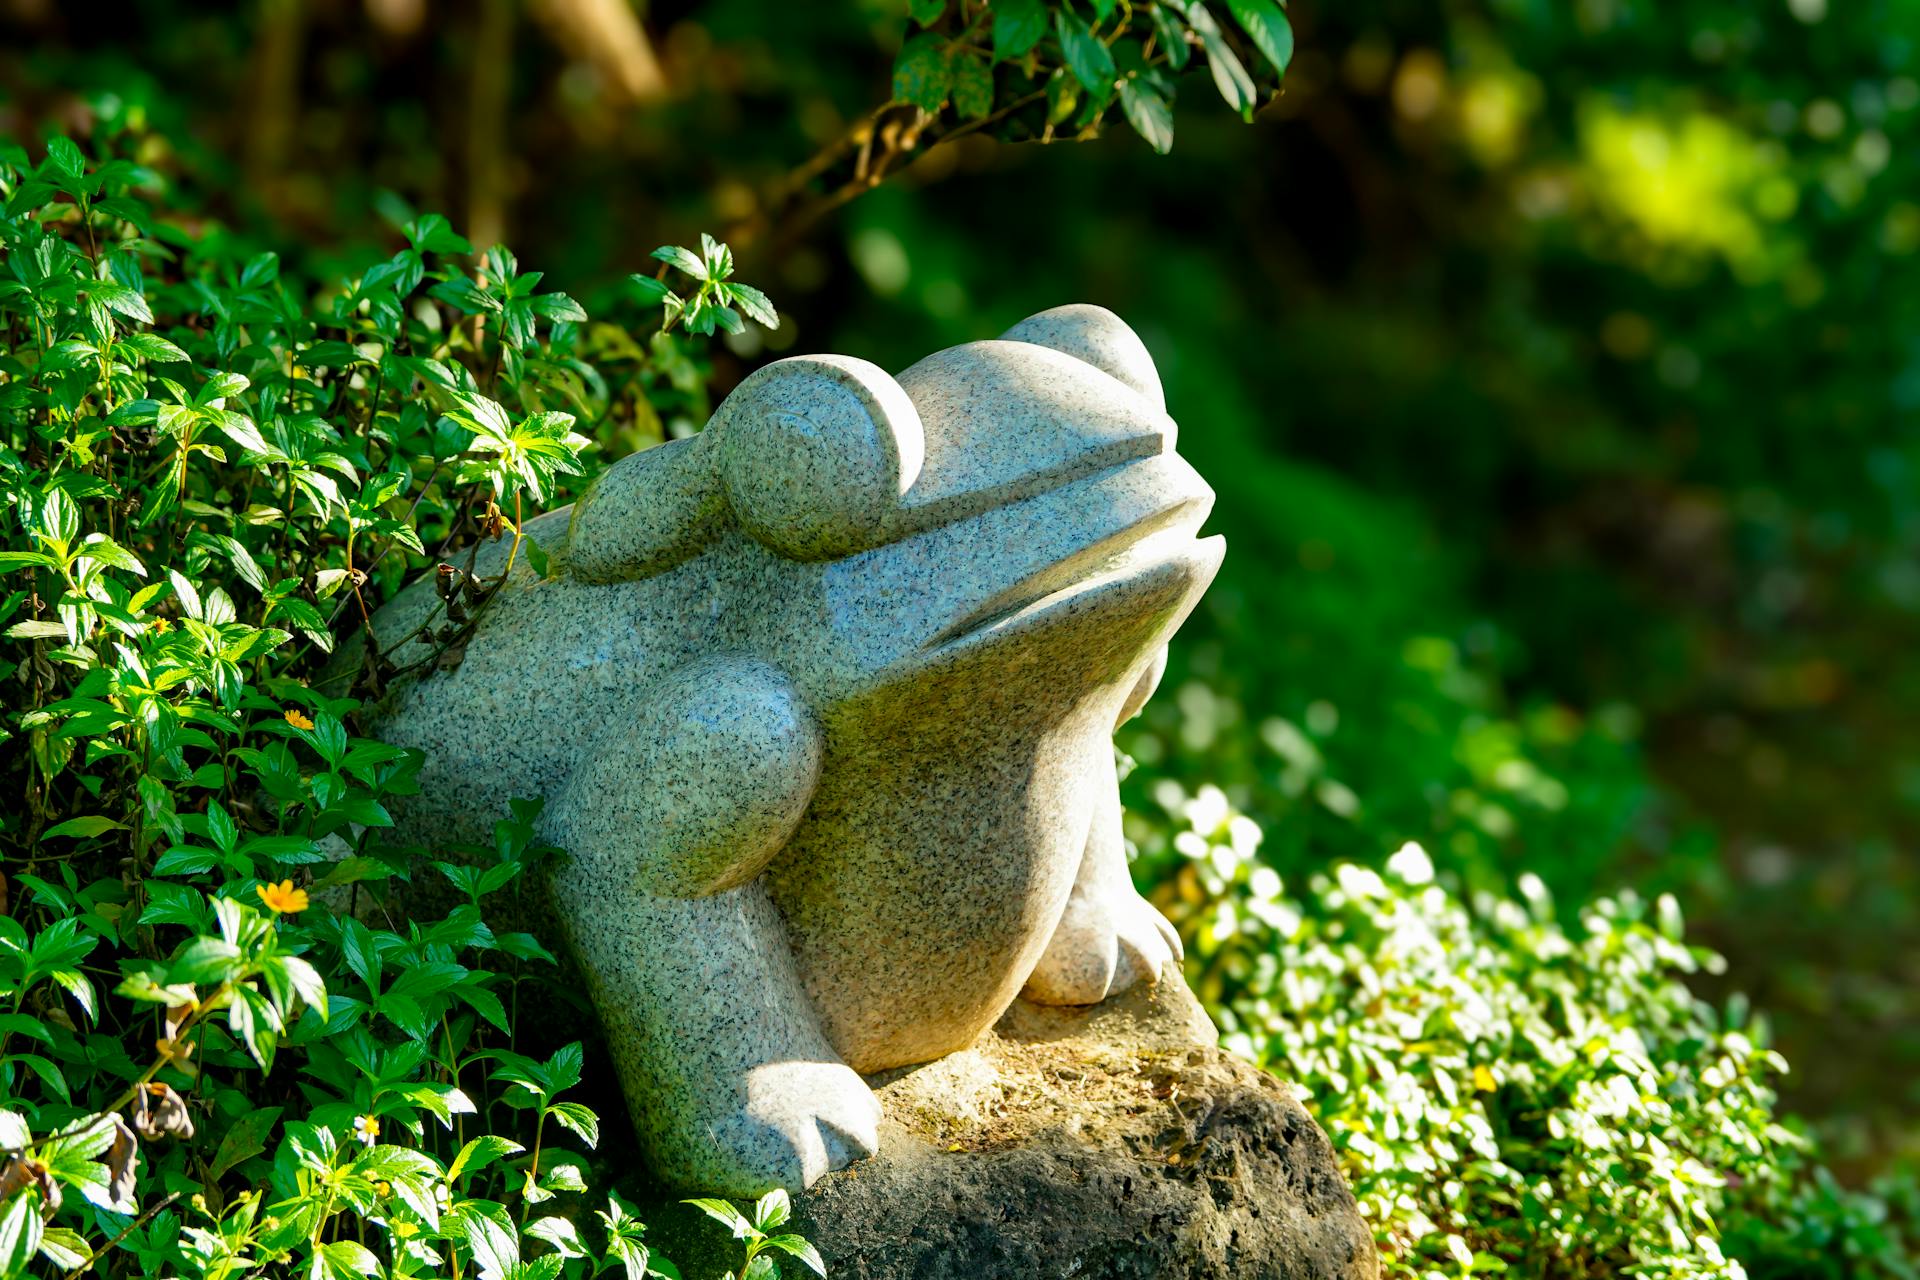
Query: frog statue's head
(1012, 508)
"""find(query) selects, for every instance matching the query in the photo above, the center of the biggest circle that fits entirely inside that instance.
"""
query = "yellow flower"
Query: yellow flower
(283, 897)
(297, 720)
(366, 1128)
(160, 626)
(1483, 1080)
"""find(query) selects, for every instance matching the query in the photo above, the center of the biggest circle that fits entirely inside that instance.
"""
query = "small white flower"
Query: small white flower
(1411, 864)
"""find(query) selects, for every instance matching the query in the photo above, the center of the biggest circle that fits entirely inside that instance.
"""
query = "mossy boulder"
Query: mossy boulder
(1116, 1142)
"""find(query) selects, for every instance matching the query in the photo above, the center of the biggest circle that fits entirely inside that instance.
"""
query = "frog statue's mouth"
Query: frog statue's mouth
(1033, 521)
(1067, 583)
(1138, 552)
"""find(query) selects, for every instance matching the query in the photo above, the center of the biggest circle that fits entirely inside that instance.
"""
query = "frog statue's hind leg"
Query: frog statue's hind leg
(1109, 937)
(669, 821)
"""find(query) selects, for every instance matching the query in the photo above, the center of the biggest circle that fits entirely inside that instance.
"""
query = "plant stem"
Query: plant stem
(146, 1216)
(199, 1012)
(533, 1166)
(513, 551)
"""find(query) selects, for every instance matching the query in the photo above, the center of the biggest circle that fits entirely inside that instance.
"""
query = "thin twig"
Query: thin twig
(145, 1217)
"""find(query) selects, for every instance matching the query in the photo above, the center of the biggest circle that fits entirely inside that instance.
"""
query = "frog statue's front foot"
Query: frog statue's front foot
(788, 1123)
(1101, 947)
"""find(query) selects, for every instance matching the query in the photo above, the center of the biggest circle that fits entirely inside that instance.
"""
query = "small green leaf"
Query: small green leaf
(98, 546)
(579, 1118)
(20, 1231)
(685, 259)
(1090, 61)
(1267, 26)
(245, 1139)
(65, 1248)
(1229, 76)
(204, 960)
(84, 828)
(725, 1214)
(1063, 95)
(66, 156)
(152, 346)
(773, 1210)
(1148, 113)
(650, 291)
(756, 304)
(557, 307)
(347, 1260)
(1018, 25)
(479, 1153)
(128, 302)
(186, 860)
(431, 233)
(70, 354)
(261, 269)
(802, 1248)
(1173, 37)
(466, 295)
(221, 386)
(562, 1177)
(56, 1084)
(559, 1233)
(972, 87)
(923, 73)
(59, 518)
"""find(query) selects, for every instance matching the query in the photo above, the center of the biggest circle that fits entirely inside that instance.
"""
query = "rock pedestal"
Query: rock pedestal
(1110, 1143)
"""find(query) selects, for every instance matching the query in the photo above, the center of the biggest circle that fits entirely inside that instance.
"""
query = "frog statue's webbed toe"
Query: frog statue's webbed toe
(791, 1122)
(1101, 947)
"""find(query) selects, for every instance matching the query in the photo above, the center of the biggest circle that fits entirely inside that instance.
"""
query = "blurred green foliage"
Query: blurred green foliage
(1556, 365)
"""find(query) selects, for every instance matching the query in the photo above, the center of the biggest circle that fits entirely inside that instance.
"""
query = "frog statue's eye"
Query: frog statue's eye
(814, 454)
(1099, 337)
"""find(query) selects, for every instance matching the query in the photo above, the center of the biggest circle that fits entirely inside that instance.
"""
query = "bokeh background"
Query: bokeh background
(1557, 363)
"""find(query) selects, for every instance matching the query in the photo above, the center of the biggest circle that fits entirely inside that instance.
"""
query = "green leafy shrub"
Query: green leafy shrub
(1508, 1093)
(221, 1050)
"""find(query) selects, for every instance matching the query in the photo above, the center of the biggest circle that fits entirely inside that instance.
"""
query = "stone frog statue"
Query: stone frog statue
(821, 703)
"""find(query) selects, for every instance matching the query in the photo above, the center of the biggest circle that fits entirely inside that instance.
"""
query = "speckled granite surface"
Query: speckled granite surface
(822, 702)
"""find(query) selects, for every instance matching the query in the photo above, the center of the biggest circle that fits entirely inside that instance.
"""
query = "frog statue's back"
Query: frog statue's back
(821, 703)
